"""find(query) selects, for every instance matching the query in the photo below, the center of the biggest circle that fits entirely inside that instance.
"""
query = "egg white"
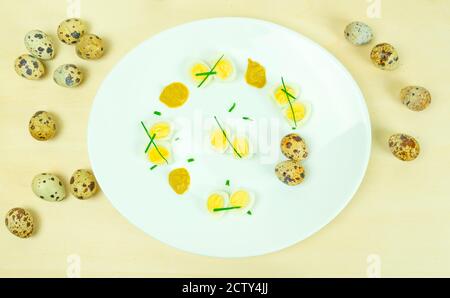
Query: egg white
(288, 84)
(305, 119)
(249, 205)
(232, 75)
(226, 198)
(171, 126)
(189, 71)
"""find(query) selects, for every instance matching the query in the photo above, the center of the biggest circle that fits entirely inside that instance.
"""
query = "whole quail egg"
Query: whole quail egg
(19, 222)
(70, 30)
(404, 147)
(290, 172)
(39, 45)
(68, 75)
(29, 67)
(42, 126)
(90, 47)
(294, 147)
(384, 56)
(415, 98)
(83, 184)
(358, 33)
(48, 187)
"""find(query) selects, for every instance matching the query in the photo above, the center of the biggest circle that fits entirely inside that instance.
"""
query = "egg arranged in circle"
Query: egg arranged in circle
(216, 200)
(162, 130)
(159, 154)
(280, 96)
(197, 68)
(242, 198)
(242, 146)
(218, 141)
(225, 69)
(298, 114)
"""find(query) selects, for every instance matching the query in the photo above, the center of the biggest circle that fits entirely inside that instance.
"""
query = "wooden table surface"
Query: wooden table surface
(398, 223)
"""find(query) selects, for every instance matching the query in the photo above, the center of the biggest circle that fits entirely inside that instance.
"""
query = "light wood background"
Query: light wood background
(401, 213)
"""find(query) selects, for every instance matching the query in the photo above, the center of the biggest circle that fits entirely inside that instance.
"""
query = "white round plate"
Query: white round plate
(338, 136)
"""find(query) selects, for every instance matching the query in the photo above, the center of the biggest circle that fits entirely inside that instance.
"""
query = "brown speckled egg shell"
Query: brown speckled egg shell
(294, 147)
(71, 30)
(90, 47)
(384, 56)
(29, 67)
(416, 98)
(404, 147)
(83, 184)
(42, 126)
(19, 222)
(290, 172)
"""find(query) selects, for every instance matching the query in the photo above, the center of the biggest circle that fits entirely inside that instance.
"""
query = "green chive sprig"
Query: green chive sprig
(152, 142)
(226, 208)
(288, 96)
(157, 113)
(232, 107)
(247, 118)
(210, 72)
(190, 160)
(226, 137)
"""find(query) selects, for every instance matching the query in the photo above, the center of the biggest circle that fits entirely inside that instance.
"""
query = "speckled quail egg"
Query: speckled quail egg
(90, 47)
(39, 44)
(384, 56)
(404, 147)
(415, 98)
(48, 187)
(290, 172)
(294, 147)
(70, 30)
(358, 33)
(42, 126)
(29, 67)
(83, 184)
(68, 75)
(20, 222)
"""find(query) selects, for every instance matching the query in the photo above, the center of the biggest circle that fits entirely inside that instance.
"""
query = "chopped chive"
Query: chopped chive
(153, 167)
(206, 73)
(226, 137)
(232, 107)
(190, 160)
(249, 212)
(211, 70)
(176, 139)
(247, 118)
(152, 142)
(290, 104)
(226, 208)
(157, 113)
(227, 183)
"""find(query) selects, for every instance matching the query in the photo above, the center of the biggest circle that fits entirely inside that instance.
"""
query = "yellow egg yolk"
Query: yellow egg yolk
(157, 157)
(198, 68)
(215, 201)
(174, 95)
(299, 111)
(280, 95)
(241, 146)
(161, 130)
(224, 69)
(240, 198)
(218, 140)
(179, 180)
